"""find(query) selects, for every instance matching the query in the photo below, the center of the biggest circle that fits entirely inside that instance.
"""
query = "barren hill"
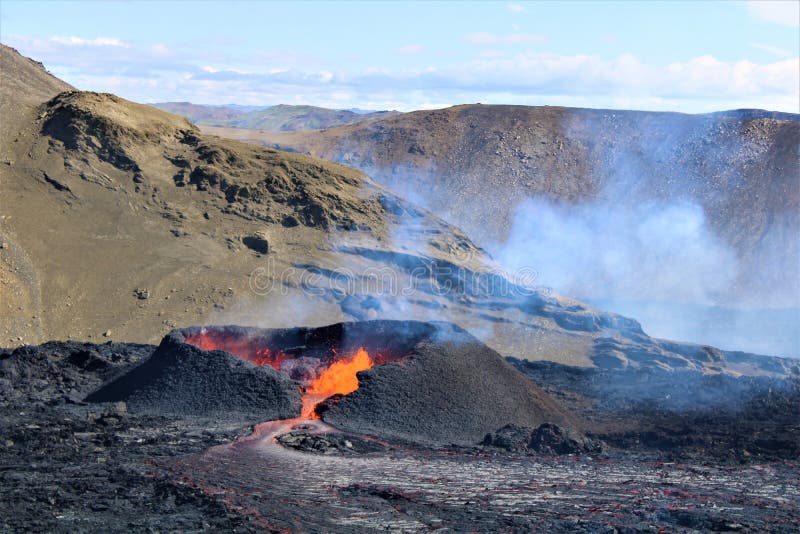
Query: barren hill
(121, 221)
(476, 164)
(22, 81)
(280, 118)
(688, 222)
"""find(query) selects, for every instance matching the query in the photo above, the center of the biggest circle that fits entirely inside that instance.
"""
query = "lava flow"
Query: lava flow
(243, 348)
(320, 379)
(339, 378)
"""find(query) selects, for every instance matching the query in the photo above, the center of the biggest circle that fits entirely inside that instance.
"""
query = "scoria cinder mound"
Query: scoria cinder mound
(424, 382)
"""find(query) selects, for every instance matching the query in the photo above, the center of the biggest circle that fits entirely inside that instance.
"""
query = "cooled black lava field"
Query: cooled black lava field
(552, 448)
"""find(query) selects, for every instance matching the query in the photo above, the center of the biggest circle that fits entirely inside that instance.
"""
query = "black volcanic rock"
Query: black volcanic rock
(63, 370)
(512, 438)
(450, 389)
(548, 439)
(552, 439)
(332, 443)
(72, 467)
(181, 379)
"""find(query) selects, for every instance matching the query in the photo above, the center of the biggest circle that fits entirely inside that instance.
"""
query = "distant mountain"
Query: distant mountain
(199, 114)
(275, 118)
(756, 114)
(361, 111)
(239, 107)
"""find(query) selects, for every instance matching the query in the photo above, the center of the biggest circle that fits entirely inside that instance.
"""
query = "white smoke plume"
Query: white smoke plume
(603, 251)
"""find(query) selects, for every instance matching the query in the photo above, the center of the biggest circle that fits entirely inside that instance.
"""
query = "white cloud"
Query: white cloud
(698, 85)
(490, 53)
(213, 70)
(783, 12)
(709, 77)
(80, 41)
(774, 50)
(411, 49)
(515, 8)
(496, 75)
(161, 50)
(485, 38)
(703, 78)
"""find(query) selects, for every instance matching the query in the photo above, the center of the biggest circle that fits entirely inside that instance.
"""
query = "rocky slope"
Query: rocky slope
(598, 202)
(741, 167)
(25, 81)
(120, 221)
(280, 118)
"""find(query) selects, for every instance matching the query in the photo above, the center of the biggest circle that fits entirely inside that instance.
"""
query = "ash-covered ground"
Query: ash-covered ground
(66, 466)
(678, 456)
(680, 415)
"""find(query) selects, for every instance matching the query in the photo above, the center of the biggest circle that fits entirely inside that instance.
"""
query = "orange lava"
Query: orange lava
(241, 347)
(339, 378)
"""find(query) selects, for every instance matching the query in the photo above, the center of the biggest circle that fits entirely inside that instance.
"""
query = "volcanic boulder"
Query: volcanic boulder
(257, 242)
(548, 439)
(180, 378)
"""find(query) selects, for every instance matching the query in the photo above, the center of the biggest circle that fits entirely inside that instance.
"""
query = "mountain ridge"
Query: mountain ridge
(280, 117)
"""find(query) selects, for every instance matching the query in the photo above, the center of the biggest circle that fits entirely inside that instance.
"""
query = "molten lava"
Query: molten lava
(339, 378)
(242, 347)
(320, 378)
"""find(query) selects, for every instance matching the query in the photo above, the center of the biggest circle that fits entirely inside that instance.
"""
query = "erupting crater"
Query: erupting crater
(425, 382)
(320, 375)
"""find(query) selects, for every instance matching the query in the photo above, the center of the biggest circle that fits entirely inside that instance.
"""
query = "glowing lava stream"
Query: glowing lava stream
(339, 378)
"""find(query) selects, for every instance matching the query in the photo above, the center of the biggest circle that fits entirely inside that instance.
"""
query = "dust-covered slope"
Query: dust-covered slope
(24, 84)
(23, 81)
(120, 221)
(280, 118)
(127, 219)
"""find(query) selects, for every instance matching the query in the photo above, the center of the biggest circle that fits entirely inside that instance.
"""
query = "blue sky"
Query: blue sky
(681, 56)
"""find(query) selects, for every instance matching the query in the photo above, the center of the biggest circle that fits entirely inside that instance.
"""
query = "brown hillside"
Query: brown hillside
(25, 80)
(743, 171)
